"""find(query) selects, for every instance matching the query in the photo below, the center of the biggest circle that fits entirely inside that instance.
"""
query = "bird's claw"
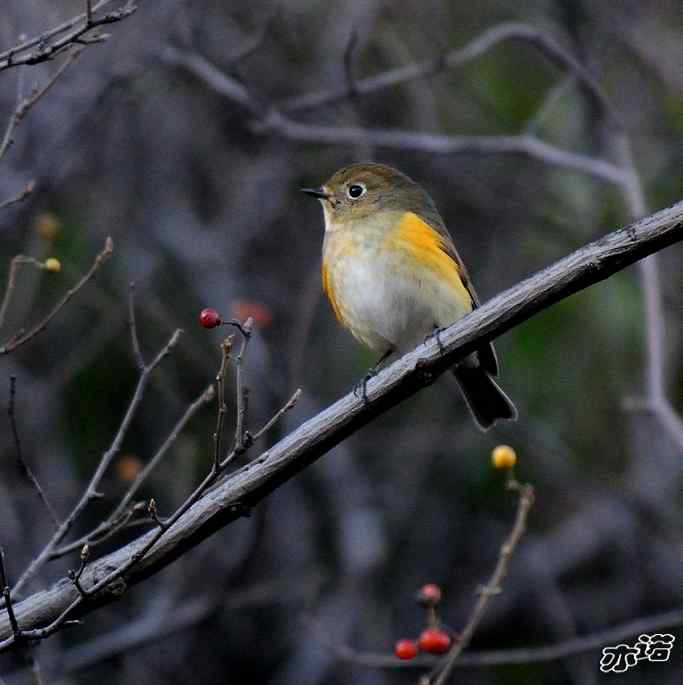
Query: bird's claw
(360, 389)
(436, 333)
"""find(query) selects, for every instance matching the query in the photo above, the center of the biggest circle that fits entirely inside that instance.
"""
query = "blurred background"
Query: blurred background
(203, 209)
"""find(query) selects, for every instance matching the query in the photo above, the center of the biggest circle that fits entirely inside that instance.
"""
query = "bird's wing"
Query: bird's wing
(487, 353)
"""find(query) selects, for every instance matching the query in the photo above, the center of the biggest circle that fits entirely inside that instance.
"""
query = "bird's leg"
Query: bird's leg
(436, 332)
(372, 371)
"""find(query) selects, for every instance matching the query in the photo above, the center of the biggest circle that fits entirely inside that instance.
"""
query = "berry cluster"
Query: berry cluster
(433, 639)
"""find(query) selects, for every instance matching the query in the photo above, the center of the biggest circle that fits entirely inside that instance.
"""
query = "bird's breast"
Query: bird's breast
(386, 287)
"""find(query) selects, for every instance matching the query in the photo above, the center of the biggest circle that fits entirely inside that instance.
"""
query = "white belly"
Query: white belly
(386, 310)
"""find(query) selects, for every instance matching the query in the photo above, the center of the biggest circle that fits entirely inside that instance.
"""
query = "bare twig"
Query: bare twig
(451, 60)
(7, 597)
(22, 338)
(132, 327)
(75, 576)
(525, 501)
(254, 42)
(91, 491)
(23, 466)
(274, 122)
(524, 655)
(655, 329)
(554, 95)
(48, 46)
(291, 403)
(13, 120)
(21, 195)
(213, 77)
(123, 511)
(348, 61)
(226, 347)
(45, 612)
(522, 145)
(154, 514)
(241, 390)
(17, 262)
(25, 104)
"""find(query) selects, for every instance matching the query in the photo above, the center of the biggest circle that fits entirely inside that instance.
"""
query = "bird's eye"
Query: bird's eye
(355, 190)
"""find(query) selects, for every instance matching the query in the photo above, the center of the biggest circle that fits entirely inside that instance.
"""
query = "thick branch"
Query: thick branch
(248, 486)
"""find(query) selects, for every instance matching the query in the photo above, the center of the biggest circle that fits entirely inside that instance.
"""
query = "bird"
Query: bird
(393, 276)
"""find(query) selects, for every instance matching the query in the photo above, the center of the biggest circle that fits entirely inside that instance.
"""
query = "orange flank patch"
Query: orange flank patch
(428, 248)
(327, 287)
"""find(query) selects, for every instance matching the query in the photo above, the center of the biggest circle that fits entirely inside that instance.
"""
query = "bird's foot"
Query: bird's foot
(436, 333)
(360, 389)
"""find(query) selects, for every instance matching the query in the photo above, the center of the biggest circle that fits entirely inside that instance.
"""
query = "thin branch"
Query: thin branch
(74, 31)
(348, 61)
(132, 327)
(655, 327)
(25, 104)
(46, 611)
(122, 513)
(451, 60)
(250, 439)
(213, 77)
(274, 122)
(7, 597)
(254, 42)
(21, 195)
(226, 348)
(554, 95)
(291, 403)
(241, 390)
(522, 145)
(23, 466)
(13, 120)
(17, 262)
(91, 491)
(22, 338)
(523, 655)
(493, 587)
(45, 36)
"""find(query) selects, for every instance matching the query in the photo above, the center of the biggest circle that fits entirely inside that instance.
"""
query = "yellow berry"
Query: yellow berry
(47, 225)
(53, 264)
(503, 457)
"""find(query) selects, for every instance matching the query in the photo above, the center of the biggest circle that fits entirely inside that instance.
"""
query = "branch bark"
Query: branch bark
(251, 484)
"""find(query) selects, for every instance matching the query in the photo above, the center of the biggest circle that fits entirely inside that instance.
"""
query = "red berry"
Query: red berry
(434, 641)
(429, 595)
(405, 649)
(209, 318)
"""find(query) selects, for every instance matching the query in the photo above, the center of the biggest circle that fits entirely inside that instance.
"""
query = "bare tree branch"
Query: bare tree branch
(276, 123)
(524, 655)
(74, 30)
(453, 59)
(119, 517)
(23, 466)
(21, 195)
(41, 613)
(22, 338)
(91, 491)
(24, 105)
(493, 586)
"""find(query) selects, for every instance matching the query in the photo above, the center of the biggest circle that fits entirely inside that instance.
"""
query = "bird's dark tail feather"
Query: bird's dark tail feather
(483, 396)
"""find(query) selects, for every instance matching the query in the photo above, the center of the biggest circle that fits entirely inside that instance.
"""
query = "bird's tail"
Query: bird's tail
(486, 400)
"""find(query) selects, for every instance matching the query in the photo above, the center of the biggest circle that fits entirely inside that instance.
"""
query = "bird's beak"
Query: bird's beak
(315, 192)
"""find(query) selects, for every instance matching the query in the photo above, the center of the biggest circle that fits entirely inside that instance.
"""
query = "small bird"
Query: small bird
(393, 276)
